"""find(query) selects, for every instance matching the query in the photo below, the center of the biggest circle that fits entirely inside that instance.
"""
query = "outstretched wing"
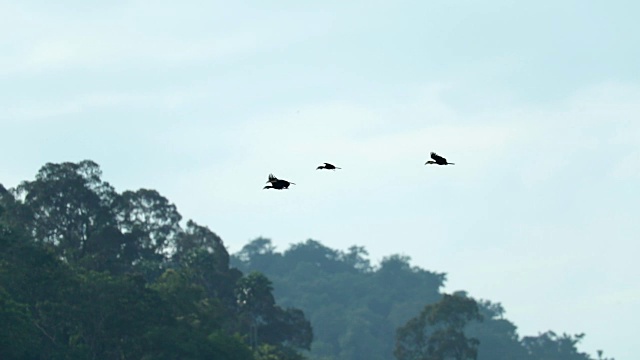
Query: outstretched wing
(438, 158)
(272, 179)
(330, 166)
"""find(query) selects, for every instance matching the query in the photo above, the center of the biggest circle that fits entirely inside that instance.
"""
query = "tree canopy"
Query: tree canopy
(87, 272)
(392, 309)
(90, 273)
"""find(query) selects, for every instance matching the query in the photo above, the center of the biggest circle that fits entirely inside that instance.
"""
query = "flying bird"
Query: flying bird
(278, 184)
(439, 160)
(327, 166)
(272, 179)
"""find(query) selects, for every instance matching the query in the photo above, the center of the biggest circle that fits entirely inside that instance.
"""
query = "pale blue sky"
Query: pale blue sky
(537, 104)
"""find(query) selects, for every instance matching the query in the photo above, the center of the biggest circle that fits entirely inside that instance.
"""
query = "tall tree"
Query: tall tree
(202, 253)
(152, 218)
(196, 238)
(498, 336)
(267, 322)
(66, 204)
(438, 332)
(551, 346)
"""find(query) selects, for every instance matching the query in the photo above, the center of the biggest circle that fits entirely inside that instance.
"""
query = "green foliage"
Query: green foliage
(550, 346)
(254, 294)
(498, 337)
(151, 217)
(267, 322)
(16, 332)
(270, 352)
(89, 273)
(65, 205)
(438, 332)
(230, 347)
(354, 308)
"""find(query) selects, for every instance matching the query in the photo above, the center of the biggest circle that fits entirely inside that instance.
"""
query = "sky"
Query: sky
(537, 104)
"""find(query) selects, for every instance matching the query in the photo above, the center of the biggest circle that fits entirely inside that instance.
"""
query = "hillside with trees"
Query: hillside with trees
(87, 272)
(364, 312)
(90, 273)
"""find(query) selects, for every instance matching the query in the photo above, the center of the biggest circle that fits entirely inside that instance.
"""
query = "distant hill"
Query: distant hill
(355, 307)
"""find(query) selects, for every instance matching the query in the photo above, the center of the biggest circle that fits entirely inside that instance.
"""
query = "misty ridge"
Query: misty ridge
(87, 272)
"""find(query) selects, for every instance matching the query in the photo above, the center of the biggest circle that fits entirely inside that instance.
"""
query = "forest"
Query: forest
(87, 272)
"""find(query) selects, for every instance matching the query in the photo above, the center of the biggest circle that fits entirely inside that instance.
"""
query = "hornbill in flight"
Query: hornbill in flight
(439, 160)
(327, 166)
(278, 184)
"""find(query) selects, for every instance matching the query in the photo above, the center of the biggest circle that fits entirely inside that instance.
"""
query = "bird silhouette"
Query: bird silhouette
(327, 166)
(439, 160)
(278, 184)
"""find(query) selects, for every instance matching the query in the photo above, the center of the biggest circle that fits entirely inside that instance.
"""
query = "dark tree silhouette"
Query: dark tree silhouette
(437, 333)
(90, 273)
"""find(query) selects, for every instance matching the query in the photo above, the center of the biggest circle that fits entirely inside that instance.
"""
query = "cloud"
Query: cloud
(100, 50)
(32, 111)
(167, 36)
